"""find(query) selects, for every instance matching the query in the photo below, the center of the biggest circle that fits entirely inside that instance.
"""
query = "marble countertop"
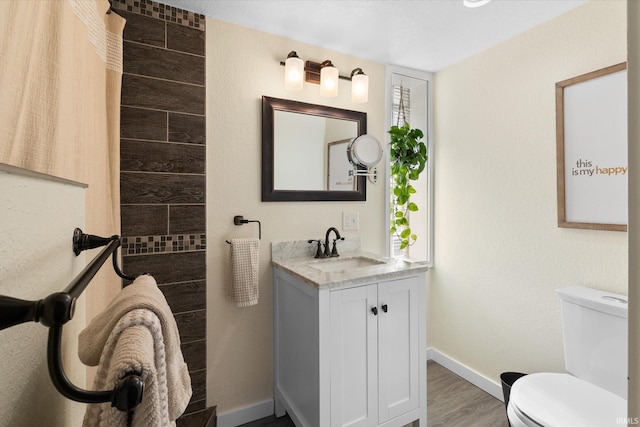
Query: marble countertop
(388, 268)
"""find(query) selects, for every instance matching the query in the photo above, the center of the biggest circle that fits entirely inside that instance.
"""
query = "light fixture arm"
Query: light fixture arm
(309, 68)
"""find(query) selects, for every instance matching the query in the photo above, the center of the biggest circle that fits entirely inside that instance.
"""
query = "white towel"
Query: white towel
(137, 332)
(243, 286)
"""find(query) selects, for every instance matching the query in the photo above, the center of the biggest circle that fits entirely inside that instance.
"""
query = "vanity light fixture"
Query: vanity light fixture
(325, 74)
(293, 72)
(328, 79)
(475, 3)
(359, 86)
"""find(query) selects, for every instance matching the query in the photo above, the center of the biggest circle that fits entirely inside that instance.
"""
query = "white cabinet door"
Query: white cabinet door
(398, 352)
(354, 362)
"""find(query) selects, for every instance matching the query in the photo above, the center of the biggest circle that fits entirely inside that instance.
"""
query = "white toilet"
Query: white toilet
(593, 392)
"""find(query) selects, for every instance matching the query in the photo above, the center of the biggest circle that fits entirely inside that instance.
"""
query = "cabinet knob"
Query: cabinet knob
(374, 310)
(384, 307)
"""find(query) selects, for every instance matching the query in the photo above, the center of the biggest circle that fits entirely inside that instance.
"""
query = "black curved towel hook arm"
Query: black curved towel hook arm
(57, 309)
(119, 272)
(125, 396)
(59, 378)
(82, 241)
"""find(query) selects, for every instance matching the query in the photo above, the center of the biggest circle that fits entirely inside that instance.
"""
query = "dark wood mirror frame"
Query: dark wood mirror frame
(269, 194)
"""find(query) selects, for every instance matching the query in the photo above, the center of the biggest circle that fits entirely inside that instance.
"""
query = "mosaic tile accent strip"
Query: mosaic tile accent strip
(161, 11)
(139, 245)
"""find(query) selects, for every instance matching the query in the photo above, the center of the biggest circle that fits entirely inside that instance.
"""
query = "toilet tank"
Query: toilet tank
(594, 326)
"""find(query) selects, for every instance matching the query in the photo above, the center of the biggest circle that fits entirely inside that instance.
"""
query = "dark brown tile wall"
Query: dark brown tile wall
(160, 11)
(162, 180)
(156, 94)
(160, 188)
(186, 219)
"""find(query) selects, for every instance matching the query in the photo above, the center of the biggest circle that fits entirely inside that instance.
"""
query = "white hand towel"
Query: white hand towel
(243, 286)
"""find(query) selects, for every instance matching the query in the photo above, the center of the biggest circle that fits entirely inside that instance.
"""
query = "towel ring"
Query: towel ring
(239, 220)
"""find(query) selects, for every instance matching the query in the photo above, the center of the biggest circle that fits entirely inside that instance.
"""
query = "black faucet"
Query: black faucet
(334, 251)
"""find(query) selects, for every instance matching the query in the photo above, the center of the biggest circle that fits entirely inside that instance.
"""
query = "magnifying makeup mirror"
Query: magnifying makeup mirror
(365, 151)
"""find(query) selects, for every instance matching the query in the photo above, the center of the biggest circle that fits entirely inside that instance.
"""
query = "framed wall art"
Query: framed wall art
(591, 150)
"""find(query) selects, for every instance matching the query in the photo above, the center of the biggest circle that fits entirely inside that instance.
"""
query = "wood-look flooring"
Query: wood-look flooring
(454, 402)
(451, 402)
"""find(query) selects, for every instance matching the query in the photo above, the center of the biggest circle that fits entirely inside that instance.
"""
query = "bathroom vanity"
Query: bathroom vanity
(349, 340)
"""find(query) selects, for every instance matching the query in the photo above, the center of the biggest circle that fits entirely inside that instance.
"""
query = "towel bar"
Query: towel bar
(57, 309)
(239, 220)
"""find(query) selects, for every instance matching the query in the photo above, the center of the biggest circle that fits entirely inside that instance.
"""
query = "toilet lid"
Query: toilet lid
(552, 399)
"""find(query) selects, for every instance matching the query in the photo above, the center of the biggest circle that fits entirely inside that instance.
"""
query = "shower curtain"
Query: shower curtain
(60, 79)
(60, 82)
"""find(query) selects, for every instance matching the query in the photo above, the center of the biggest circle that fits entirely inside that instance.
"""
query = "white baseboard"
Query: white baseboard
(480, 381)
(246, 414)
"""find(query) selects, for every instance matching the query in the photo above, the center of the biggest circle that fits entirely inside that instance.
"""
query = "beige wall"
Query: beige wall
(499, 255)
(242, 66)
(38, 214)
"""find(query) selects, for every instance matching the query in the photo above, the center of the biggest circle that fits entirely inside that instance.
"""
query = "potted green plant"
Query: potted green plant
(408, 159)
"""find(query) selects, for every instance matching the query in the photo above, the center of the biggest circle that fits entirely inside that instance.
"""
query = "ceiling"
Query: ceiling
(425, 35)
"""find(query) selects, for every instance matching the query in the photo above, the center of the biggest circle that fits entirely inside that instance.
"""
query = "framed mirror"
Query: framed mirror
(304, 152)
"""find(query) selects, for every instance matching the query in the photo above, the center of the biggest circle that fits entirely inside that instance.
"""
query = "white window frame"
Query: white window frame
(390, 71)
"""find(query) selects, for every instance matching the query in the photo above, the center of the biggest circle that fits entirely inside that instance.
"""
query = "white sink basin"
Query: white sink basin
(341, 264)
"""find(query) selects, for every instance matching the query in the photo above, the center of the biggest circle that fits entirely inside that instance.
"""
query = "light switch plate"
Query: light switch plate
(350, 221)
